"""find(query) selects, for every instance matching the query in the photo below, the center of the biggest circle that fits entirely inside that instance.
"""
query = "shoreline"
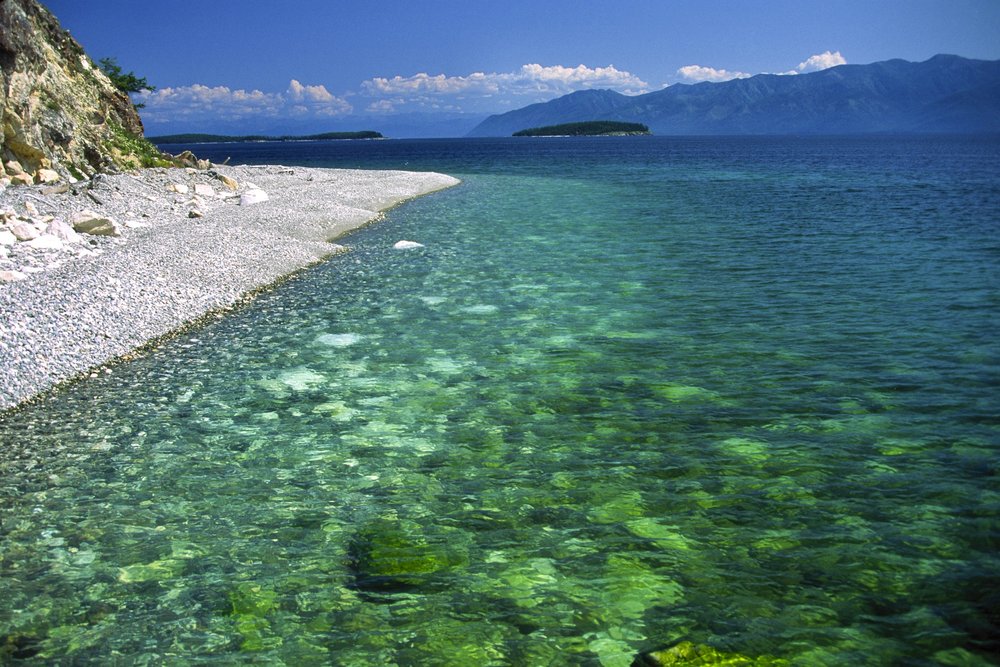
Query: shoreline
(180, 258)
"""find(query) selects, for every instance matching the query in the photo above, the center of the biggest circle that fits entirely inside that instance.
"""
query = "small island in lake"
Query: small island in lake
(590, 128)
(221, 139)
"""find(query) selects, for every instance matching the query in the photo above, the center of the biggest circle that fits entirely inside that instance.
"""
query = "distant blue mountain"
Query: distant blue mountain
(946, 94)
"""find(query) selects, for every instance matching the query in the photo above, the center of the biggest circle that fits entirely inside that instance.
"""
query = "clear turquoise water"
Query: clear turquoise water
(740, 392)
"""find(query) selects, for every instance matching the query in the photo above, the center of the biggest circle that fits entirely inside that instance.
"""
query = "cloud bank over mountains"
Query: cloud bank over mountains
(815, 63)
(193, 107)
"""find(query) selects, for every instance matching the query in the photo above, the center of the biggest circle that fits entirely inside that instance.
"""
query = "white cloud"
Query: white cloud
(820, 61)
(198, 101)
(299, 93)
(701, 73)
(813, 63)
(572, 78)
(532, 79)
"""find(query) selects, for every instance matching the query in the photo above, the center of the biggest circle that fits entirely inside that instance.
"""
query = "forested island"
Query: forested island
(590, 128)
(220, 138)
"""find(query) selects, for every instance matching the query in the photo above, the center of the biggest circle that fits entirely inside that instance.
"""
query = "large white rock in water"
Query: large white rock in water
(253, 197)
(339, 340)
(407, 245)
(88, 222)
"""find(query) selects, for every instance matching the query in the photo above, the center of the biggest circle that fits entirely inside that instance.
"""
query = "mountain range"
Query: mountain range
(946, 94)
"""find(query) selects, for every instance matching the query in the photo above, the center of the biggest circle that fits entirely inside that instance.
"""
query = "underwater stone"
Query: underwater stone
(689, 654)
(407, 245)
(681, 392)
(390, 552)
(301, 378)
(156, 571)
(665, 537)
(339, 340)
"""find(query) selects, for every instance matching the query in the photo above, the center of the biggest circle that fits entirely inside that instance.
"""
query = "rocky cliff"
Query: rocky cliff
(61, 116)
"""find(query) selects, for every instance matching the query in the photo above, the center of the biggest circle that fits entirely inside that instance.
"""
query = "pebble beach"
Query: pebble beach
(176, 245)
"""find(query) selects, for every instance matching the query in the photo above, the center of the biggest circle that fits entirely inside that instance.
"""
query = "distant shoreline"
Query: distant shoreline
(200, 138)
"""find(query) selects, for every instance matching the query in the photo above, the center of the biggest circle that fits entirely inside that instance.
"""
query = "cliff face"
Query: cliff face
(59, 111)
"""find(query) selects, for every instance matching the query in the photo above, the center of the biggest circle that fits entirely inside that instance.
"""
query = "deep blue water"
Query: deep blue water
(633, 391)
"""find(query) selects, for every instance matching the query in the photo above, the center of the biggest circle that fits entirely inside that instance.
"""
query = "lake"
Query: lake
(742, 392)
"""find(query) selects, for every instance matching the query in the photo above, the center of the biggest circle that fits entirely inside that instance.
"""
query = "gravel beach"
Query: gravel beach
(189, 242)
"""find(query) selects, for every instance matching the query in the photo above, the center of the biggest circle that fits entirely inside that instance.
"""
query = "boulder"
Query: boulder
(13, 167)
(688, 653)
(186, 159)
(253, 197)
(61, 230)
(204, 190)
(195, 213)
(230, 183)
(88, 222)
(46, 242)
(11, 276)
(7, 237)
(46, 176)
(24, 231)
(22, 179)
(179, 188)
(407, 245)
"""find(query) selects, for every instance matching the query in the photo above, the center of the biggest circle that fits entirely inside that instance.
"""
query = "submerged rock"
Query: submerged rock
(407, 245)
(389, 553)
(339, 340)
(689, 654)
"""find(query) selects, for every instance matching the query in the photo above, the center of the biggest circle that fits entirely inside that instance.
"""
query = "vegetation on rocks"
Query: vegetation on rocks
(132, 151)
(127, 82)
(62, 117)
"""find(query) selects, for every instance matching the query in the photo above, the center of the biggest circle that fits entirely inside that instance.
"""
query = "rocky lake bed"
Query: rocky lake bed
(92, 270)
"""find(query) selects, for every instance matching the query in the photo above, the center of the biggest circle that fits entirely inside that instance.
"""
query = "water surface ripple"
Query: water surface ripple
(740, 392)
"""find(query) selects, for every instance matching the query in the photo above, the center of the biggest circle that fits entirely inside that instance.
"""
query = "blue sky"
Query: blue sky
(260, 65)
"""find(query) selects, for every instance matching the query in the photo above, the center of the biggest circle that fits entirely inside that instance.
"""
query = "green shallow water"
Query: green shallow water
(740, 393)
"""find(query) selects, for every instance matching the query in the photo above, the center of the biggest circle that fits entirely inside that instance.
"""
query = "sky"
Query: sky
(242, 66)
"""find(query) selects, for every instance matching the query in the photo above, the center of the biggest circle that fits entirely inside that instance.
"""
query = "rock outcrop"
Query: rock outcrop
(62, 118)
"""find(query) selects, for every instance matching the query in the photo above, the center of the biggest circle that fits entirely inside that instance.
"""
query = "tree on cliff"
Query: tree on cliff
(127, 82)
